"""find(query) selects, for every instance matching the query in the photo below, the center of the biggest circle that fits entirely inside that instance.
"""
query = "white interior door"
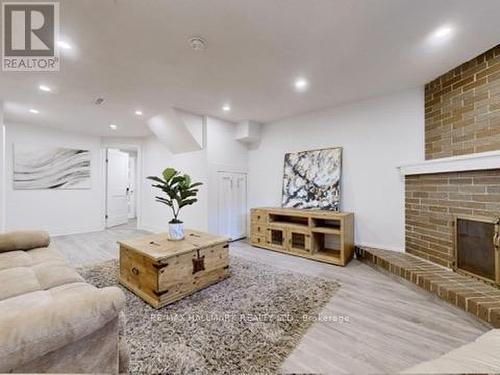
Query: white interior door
(132, 210)
(117, 177)
(232, 204)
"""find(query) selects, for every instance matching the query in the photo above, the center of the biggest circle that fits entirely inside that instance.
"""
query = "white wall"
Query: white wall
(155, 216)
(224, 153)
(72, 211)
(377, 135)
(223, 149)
(57, 211)
(194, 123)
(2, 170)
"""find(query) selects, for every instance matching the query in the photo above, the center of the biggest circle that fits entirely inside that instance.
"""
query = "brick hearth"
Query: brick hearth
(471, 295)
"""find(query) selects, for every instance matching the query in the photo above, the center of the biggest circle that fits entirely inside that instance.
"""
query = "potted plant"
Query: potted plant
(179, 192)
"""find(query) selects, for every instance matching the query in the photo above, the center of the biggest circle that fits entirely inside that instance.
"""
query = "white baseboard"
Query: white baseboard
(153, 228)
(69, 231)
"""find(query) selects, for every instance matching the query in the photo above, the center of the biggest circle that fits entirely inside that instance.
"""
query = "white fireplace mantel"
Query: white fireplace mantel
(471, 162)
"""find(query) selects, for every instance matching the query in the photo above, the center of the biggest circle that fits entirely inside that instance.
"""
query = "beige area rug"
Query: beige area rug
(248, 323)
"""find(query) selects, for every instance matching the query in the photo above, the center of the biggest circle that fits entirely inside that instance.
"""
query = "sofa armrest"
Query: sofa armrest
(37, 323)
(23, 240)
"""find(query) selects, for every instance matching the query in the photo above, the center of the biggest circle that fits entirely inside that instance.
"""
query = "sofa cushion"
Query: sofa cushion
(13, 259)
(23, 240)
(56, 273)
(17, 281)
(44, 254)
(28, 271)
(479, 357)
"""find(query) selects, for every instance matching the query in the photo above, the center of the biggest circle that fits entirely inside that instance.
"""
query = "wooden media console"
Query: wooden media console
(326, 236)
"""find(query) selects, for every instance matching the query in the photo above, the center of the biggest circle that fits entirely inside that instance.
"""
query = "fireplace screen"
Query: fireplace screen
(475, 247)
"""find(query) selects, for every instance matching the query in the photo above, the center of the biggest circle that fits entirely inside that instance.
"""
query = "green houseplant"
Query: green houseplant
(179, 192)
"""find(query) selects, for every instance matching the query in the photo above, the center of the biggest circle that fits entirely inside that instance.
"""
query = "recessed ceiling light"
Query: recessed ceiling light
(34, 111)
(443, 32)
(441, 35)
(45, 88)
(138, 113)
(64, 45)
(301, 84)
(226, 107)
(113, 126)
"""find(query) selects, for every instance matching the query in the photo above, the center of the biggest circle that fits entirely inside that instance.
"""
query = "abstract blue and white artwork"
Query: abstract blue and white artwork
(37, 168)
(311, 179)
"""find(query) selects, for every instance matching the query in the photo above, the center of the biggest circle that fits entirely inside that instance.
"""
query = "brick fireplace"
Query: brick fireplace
(433, 201)
(453, 197)
(461, 174)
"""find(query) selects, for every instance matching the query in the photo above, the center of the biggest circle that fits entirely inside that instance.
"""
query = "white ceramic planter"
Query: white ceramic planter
(176, 231)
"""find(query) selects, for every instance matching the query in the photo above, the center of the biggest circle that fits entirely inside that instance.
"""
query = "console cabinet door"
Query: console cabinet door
(276, 238)
(298, 240)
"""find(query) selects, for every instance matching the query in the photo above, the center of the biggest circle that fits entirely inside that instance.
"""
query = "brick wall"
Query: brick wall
(433, 200)
(462, 108)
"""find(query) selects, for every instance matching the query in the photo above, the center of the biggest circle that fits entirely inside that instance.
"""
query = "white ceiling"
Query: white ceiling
(136, 55)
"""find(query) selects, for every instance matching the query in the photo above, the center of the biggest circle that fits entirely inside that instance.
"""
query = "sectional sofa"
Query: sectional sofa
(51, 320)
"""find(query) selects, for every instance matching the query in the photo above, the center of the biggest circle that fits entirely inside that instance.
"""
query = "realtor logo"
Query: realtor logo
(30, 32)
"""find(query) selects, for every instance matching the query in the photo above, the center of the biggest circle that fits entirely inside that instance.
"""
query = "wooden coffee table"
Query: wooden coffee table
(162, 271)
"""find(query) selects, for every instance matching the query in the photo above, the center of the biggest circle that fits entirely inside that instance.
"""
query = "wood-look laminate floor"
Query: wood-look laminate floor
(391, 325)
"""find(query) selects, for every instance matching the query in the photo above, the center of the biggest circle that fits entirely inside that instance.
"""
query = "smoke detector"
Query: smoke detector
(198, 43)
(99, 101)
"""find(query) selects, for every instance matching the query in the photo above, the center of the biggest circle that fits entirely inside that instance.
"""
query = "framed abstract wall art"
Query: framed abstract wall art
(39, 168)
(311, 179)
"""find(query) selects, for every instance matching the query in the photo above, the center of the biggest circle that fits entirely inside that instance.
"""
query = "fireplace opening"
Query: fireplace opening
(476, 248)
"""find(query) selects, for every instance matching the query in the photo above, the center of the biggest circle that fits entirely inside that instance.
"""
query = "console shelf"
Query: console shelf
(325, 236)
(326, 230)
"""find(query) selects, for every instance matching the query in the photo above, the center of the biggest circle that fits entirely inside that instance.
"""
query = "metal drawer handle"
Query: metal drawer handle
(135, 271)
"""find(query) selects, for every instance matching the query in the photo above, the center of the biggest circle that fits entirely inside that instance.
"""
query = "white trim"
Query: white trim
(139, 176)
(57, 232)
(471, 162)
(154, 228)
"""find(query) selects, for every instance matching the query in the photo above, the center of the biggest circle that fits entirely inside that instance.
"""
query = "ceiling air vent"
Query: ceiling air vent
(198, 43)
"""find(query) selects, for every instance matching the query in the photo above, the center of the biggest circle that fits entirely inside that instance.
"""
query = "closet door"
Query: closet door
(225, 203)
(232, 205)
